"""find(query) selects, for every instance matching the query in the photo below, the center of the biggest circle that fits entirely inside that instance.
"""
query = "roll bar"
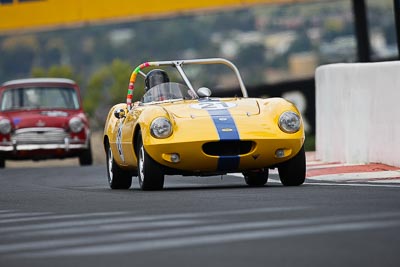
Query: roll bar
(178, 64)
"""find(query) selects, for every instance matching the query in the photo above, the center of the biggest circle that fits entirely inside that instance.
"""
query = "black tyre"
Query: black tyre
(86, 158)
(293, 171)
(2, 163)
(150, 174)
(117, 177)
(256, 178)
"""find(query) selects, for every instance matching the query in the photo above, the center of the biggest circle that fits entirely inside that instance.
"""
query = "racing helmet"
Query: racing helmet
(155, 77)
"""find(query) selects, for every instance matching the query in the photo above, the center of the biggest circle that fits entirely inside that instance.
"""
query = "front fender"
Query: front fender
(146, 118)
(111, 123)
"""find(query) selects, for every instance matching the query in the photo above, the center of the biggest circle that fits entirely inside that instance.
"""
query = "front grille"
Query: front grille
(40, 136)
(227, 148)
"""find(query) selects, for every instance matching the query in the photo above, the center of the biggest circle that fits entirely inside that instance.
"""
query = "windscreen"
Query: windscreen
(167, 91)
(219, 78)
(39, 98)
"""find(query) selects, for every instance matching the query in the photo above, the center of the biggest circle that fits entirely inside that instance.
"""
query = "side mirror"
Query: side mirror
(204, 92)
(119, 113)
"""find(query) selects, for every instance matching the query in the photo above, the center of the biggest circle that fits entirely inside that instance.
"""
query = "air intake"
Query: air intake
(227, 148)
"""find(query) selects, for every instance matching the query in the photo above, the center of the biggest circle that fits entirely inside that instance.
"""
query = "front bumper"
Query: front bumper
(67, 146)
(193, 158)
(30, 139)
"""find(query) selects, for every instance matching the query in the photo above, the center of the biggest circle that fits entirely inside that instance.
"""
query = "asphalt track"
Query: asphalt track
(67, 216)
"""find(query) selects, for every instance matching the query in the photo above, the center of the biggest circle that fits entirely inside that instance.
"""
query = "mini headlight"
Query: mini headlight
(289, 122)
(76, 124)
(161, 128)
(5, 126)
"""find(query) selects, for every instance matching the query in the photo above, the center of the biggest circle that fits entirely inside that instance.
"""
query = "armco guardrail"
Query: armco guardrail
(358, 113)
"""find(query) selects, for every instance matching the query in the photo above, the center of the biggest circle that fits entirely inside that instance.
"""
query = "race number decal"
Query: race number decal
(119, 142)
(213, 105)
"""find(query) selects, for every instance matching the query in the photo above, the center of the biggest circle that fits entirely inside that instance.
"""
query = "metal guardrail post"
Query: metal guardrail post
(361, 30)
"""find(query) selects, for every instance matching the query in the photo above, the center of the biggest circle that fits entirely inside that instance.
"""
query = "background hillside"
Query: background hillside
(269, 43)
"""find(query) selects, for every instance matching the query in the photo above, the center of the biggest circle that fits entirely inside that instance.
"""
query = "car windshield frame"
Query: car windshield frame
(39, 97)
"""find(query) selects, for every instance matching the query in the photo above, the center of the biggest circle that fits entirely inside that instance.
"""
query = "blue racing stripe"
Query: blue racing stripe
(227, 131)
(225, 124)
(226, 163)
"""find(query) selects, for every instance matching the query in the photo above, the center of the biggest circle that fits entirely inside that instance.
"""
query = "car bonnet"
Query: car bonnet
(41, 118)
(214, 107)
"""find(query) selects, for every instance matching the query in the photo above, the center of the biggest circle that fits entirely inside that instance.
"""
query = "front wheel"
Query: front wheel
(150, 174)
(293, 171)
(256, 178)
(117, 177)
(86, 158)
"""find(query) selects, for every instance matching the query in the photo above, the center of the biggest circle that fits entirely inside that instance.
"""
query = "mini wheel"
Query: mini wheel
(85, 158)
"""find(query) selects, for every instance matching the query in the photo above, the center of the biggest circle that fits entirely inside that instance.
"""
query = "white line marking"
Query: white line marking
(353, 184)
(212, 239)
(107, 228)
(93, 222)
(323, 178)
(61, 217)
(92, 243)
(21, 215)
(357, 176)
(6, 211)
(330, 165)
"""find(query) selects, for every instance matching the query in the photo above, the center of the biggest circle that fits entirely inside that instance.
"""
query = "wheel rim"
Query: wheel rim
(110, 165)
(141, 165)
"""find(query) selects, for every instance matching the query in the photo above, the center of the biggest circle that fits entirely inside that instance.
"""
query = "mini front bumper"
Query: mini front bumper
(67, 146)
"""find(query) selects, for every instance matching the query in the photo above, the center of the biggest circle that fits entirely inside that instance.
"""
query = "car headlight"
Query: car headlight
(161, 128)
(289, 122)
(76, 124)
(5, 126)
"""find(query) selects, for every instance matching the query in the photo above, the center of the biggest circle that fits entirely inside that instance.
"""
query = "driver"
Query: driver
(156, 77)
(33, 99)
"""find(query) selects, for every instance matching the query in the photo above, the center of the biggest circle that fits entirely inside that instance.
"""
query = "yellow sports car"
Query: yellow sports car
(179, 127)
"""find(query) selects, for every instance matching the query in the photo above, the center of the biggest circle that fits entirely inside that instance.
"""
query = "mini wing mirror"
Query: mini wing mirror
(119, 113)
(204, 92)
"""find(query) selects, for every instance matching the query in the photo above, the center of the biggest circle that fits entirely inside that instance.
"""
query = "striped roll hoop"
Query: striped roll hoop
(132, 80)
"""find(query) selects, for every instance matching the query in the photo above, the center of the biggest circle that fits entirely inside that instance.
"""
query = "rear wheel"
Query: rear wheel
(150, 174)
(117, 177)
(293, 171)
(256, 178)
(2, 163)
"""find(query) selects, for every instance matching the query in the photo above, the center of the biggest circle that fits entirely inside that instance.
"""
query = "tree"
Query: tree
(57, 71)
(108, 86)
(17, 56)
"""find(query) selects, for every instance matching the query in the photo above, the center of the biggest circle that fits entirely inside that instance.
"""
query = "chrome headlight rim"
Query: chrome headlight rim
(5, 126)
(161, 128)
(76, 124)
(289, 122)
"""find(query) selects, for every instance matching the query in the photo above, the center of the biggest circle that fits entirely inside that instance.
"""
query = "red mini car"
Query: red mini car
(42, 118)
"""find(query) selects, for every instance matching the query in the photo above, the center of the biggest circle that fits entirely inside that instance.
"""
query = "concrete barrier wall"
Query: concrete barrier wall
(358, 113)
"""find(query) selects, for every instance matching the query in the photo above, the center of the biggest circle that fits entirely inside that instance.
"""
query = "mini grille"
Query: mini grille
(227, 148)
(40, 136)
